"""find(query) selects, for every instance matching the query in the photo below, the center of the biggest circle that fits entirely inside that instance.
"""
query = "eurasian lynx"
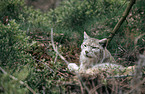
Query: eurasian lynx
(93, 55)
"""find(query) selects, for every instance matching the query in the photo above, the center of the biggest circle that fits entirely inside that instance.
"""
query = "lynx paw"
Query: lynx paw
(73, 67)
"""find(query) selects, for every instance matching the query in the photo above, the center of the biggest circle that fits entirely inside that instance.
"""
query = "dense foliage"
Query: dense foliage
(25, 47)
(75, 13)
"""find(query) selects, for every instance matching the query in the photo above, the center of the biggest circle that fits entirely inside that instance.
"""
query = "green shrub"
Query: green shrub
(13, 43)
(74, 13)
(69, 21)
(11, 8)
(9, 85)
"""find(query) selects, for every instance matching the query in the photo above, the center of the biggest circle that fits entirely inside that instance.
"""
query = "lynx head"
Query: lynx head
(91, 47)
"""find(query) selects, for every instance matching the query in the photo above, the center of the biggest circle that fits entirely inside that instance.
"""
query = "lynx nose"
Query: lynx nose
(86, 52)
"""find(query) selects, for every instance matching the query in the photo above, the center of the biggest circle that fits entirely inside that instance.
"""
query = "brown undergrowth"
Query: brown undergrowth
(102, 83)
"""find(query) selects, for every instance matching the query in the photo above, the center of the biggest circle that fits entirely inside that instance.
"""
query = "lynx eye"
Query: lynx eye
(85, 45)
(95, 47)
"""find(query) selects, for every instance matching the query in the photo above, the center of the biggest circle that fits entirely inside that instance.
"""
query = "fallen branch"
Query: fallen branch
(120, 22)
(16, 79)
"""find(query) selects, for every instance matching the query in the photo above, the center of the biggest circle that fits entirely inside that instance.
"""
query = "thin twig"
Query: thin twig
(21, 82)
(95, 88)
(43, 64)
(55, 56)
(82, 89)
(56, 49)
(53, 45)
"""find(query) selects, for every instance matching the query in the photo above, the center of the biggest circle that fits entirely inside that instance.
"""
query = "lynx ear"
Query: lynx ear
(86, 36)
(103, 42)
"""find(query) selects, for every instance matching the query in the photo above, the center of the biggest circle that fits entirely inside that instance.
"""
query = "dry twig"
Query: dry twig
(55, 49)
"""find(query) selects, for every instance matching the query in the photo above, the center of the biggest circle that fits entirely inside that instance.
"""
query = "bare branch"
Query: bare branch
(56, 56)
(120, 22)
(56, 49)
(21, 82)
